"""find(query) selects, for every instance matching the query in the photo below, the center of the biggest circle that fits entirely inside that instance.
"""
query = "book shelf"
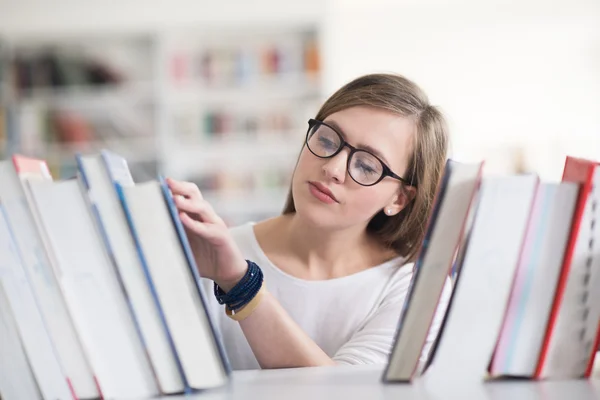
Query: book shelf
(66, 96)
(223, 107)
(237, 106)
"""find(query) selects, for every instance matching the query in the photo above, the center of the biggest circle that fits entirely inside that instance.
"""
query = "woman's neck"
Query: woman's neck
(314, 253)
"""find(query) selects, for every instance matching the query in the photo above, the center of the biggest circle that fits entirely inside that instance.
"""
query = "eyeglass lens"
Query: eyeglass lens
(363, 167)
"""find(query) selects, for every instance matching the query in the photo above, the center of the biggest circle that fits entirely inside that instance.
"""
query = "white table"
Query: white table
(347, 383)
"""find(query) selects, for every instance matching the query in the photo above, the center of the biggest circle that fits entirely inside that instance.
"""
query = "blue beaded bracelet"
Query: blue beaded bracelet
(245, 290)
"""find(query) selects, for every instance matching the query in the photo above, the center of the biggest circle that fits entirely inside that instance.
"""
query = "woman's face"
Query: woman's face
(382, 133)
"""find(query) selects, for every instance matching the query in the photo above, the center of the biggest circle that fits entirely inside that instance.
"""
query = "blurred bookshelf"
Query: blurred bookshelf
(4, 105)
(224, 107)
(69, 95)
(237, 106)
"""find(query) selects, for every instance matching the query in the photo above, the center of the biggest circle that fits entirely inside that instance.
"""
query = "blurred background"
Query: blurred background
(219, 93)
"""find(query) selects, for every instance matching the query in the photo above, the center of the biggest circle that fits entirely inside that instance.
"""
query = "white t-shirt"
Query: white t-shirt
(353, 318)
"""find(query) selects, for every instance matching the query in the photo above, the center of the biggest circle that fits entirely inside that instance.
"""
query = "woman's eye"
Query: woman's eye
(329, 144)
(366, 169)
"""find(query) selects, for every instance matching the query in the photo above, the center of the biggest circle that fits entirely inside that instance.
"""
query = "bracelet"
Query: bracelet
(244, 291)
(245, 311)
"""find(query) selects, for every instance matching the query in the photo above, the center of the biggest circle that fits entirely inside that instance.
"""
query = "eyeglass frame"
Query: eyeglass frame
(387, 171)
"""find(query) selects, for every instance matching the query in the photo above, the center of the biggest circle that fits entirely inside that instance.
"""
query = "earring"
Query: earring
(388, 211)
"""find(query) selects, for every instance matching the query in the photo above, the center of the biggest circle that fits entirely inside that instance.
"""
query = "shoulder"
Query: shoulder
(242, 232)
(399, 276)
(246, 236)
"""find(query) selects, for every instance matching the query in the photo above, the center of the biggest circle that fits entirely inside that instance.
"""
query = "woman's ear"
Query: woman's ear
(404, 197)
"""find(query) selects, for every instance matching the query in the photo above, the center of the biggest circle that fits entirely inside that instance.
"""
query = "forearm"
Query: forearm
(277, 341)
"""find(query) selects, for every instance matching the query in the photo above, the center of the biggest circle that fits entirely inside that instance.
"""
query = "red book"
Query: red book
(31, 167)
(563, 356)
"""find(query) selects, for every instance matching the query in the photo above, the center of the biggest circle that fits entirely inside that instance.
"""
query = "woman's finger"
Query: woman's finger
(200, 207)
(186, 189)
(201, 229)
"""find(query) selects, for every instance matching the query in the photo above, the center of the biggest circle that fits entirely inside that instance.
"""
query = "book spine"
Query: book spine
(562, 282)
(142, 257)
(194, 270)
(580, 227)
(595, 345)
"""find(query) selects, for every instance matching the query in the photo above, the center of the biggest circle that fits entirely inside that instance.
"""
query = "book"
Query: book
(48, 295)
(100, 173)
(569, 344)
(189, 256)
(22, 331)
(92, 291)
(484, 279)
(165, 256)
(16, 378)
(534, 285)
(433, 267)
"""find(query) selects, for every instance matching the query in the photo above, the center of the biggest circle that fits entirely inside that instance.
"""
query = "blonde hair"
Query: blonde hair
(404, 231)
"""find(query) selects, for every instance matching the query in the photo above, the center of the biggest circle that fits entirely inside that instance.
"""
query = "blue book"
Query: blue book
(170, 267)
(193, 268)
(103, 175)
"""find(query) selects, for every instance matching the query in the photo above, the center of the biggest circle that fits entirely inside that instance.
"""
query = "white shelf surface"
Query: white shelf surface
(364, 382)
(269, 89)
(93, 95)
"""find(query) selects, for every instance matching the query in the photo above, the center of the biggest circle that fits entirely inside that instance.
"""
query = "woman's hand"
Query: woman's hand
(216, 254)
(275, 338)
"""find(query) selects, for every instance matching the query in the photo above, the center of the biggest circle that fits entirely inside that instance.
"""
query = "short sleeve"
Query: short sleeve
(373, 342)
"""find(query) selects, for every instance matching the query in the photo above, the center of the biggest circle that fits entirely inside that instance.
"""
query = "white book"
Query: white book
(92, 290)
(524, 326)
(29, 322)
(40, 273)
(176, 286)
(484, 279)
(16, 377)
(446, 226)
(98, 173)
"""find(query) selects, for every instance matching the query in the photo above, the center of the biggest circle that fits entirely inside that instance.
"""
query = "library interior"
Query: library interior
(147, 146)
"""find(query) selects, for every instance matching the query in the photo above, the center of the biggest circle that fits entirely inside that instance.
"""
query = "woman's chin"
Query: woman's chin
(317, 214)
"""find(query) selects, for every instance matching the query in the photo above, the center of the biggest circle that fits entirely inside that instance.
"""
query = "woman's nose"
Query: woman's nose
(336, 166)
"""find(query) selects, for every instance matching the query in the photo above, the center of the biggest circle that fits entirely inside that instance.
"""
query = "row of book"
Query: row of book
(222, 123)
(100, 296)
(525, 258)
(49, 68)
(235, 65)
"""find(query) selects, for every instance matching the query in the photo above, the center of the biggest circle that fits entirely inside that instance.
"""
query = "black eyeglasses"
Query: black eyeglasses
(363, 167)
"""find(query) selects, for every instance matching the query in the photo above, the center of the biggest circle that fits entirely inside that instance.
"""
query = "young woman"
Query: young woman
(324, 283)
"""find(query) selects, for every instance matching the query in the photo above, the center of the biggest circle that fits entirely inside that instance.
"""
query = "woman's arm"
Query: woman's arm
(276, 340)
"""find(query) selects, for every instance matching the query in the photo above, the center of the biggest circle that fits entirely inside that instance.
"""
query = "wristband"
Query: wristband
(244, 291)
(245, 311)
